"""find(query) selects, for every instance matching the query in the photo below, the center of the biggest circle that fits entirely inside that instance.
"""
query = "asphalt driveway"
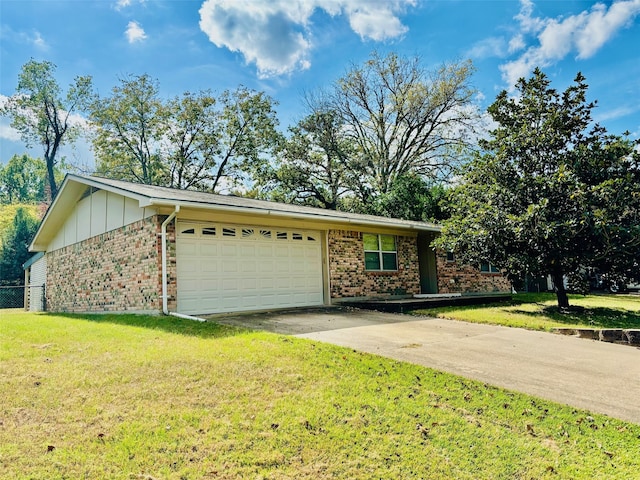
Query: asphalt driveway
(598, 376)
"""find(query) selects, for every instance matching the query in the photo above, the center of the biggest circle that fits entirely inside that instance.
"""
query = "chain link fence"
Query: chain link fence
(15, 297)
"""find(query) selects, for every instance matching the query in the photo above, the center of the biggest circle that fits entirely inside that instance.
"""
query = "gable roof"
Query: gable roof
(74, 186)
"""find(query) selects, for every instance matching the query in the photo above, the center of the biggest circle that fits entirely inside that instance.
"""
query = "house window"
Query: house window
(380, 252)
(451, 257)
(489, 268)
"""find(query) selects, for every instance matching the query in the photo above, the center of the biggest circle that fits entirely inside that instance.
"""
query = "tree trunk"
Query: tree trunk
(561, 292)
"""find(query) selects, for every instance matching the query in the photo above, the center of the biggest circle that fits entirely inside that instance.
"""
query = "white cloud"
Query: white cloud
(135, 32)
(7, 132)
(39, 42)
(277, 35)
(584, 33)
(122, 4)
(489, 47)
(34, 38)
(616, 113)
(516, 43)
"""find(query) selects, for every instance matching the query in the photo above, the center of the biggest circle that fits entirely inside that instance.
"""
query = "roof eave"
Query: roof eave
(159, 202)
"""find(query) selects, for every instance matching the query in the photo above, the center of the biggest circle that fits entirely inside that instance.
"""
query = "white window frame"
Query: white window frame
(380, 253)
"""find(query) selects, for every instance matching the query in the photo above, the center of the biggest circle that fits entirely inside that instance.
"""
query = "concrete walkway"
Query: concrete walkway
(598, 376)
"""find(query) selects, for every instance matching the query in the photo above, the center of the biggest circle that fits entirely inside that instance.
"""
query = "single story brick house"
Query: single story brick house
(111, 245)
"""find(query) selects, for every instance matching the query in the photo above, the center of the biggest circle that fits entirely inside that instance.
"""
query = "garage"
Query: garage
(229, 268)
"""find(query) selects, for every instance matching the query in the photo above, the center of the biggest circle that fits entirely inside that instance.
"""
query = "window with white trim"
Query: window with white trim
(486, 267)
(380, 252)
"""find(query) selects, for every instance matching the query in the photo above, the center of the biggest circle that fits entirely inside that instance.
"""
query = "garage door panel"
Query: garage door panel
(256, 268)
(208, 249)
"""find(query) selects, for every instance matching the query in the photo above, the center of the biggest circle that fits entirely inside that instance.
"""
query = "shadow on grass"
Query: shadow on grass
(175, 325)
(600, 317)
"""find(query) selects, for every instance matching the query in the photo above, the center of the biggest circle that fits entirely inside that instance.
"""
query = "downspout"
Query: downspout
(163, 236)
(165, 296)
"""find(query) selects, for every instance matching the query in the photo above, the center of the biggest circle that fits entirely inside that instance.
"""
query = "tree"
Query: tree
(43, 114)
(550, 194)
(191, 140)
(244, 136)
(22, 180)
(404, 119)
(314, 164)
(411, 198)
(195, 141)
(130, 126)
(14, 249)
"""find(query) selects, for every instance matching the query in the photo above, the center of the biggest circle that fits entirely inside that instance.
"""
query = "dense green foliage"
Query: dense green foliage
(411, 198)
(550, 193)
(125, 396)
(14, 247)
(23, 180)
(195, 141)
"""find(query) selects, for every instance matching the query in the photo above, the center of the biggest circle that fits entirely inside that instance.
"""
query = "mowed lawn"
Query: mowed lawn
(140, 397)
(538, 311)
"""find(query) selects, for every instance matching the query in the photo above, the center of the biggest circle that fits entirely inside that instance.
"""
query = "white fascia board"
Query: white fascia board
(143, 200)
(295, 215)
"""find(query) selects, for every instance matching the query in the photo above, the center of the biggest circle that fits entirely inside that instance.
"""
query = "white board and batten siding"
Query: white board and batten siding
(96, 213)
(228, 268)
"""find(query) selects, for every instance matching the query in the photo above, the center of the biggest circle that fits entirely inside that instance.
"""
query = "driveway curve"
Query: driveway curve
(597, 376)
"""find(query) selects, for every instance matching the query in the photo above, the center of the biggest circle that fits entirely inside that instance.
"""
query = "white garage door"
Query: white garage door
(229, 268)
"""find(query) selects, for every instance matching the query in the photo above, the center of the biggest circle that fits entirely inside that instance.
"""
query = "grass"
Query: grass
(138, 397)
(538, 312)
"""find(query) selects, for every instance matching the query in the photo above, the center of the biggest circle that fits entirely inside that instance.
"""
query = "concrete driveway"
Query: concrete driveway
(598, 376)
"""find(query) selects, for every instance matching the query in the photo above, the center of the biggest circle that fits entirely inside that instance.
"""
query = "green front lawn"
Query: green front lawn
(139, 397)
(537, 311)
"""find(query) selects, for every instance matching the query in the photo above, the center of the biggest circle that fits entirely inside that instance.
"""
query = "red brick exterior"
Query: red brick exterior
(118, 270)
(121, 270)
(347, 274)
(456, 278)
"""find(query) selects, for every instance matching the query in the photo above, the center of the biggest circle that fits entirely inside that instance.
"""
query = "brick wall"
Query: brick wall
(118, 270)
(456, 278)
(348, 277)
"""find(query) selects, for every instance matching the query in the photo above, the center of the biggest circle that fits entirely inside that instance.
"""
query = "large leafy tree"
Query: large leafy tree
(130, 125)
(244, 137)
(314, 165)
(43, 113)
(191, 147)
(194, 141)
(551, 193)
(405, 119)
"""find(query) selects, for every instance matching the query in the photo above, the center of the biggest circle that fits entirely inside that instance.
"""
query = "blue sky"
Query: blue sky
(288, 47)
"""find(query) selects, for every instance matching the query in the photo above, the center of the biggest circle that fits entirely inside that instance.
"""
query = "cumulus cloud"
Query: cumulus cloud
(135, 32)
(582, 34)
(276, 36)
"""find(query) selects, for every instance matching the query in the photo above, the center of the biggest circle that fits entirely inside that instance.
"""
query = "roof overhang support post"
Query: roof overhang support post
(163, 235)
